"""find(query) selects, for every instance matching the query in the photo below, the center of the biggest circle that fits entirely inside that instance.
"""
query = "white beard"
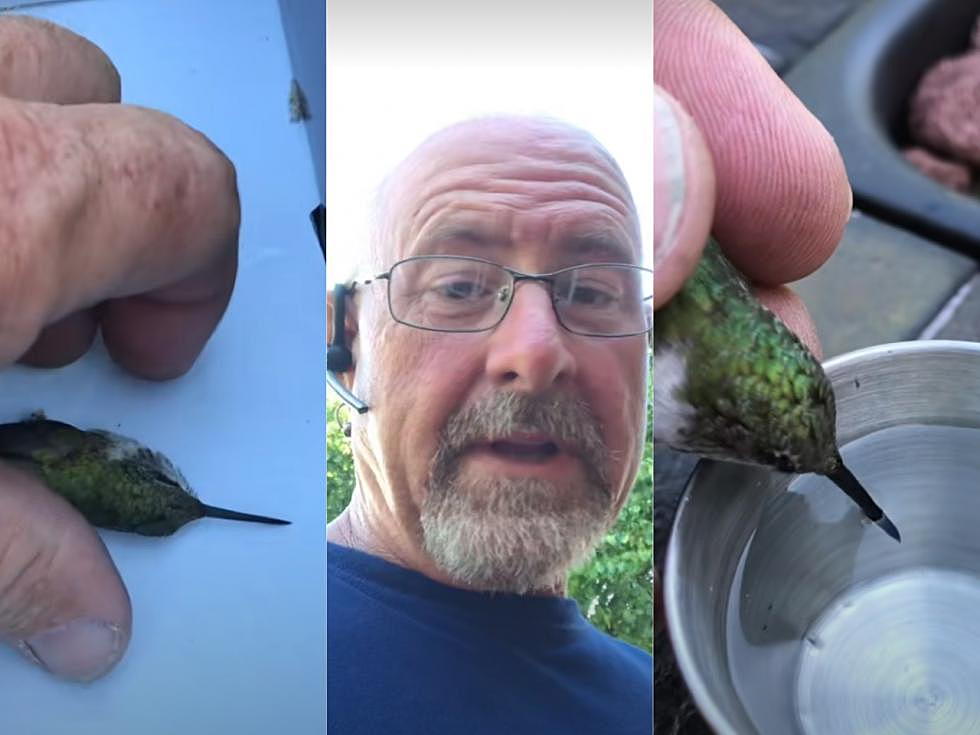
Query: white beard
(511, 535)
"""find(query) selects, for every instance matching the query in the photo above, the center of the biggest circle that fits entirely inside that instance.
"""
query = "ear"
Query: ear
(330, 313)
(341, 303)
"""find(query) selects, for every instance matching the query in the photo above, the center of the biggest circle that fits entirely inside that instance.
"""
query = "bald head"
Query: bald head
(529, 158)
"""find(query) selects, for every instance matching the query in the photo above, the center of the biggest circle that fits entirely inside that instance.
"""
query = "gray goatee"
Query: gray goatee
(511, 534)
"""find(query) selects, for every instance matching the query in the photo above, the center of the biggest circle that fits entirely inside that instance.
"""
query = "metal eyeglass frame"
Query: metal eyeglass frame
(516, 277)
(339, 358)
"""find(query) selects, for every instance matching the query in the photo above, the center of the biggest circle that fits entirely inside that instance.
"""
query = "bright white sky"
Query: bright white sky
(392, 80)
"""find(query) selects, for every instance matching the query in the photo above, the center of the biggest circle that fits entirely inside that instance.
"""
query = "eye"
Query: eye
(587, 296)
(461, 290)
(163, 479)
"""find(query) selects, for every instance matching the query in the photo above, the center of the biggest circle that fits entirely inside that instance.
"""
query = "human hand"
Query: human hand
(737, 154)
(113, 217)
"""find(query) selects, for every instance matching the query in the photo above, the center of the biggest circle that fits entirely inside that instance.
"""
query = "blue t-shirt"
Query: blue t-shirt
(409, 656)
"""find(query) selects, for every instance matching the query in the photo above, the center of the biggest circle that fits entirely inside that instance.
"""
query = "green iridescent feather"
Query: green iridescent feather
(757, 393)
(115, 482)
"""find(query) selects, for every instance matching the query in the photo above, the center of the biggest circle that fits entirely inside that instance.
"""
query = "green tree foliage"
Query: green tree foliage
(340, 463)
(614, 589)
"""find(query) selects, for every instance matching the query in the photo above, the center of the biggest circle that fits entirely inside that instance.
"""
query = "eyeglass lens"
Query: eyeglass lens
(457, 294)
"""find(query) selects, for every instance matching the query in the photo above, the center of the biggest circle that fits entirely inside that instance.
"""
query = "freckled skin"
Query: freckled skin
(31, 48)
(528, 185)
(104, 205)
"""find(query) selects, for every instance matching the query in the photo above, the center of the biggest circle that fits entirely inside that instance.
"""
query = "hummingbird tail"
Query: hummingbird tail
(846, 481)
(211, 511)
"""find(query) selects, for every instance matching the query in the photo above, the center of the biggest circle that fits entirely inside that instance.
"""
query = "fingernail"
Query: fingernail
(82, 650)
(669, 180)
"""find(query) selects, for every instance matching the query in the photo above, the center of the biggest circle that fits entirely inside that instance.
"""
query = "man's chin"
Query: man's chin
(510, 536)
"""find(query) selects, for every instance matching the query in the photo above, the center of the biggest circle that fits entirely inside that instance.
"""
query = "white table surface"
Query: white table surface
(228, 633)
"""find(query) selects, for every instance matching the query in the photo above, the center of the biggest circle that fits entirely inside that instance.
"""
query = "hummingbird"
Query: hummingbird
(114, 481)
(733, 383)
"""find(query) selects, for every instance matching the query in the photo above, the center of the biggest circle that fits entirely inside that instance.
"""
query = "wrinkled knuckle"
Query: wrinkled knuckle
(41, 193)
(200, 180)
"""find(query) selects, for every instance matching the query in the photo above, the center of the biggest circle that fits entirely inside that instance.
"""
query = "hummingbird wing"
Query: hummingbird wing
(122, 447)
(39, 439)
(744, 386)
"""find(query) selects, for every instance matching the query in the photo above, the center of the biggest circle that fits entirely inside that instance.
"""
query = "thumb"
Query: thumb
(683, 196)
(62, 602)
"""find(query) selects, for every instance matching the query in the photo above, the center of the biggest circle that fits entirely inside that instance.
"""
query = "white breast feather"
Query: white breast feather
(672, 415)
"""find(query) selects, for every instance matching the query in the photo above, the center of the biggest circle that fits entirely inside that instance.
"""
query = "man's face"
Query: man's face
(505, 454)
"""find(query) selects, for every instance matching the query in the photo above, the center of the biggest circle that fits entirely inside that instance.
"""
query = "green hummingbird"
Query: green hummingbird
(114, 481)
(732, 382)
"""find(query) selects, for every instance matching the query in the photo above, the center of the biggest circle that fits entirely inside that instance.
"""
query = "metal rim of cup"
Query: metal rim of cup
(674, 581)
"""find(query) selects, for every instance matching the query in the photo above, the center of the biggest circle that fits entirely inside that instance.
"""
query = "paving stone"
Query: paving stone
(783, 31)
(882, 285)
(960, 318)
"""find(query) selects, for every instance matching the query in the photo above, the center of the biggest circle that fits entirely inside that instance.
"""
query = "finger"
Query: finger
(165, 211)
(782, 192)
(43, 62)
(138, 204)
(159, 337)
(683, 196)
(64, 341)
(62, 602)
(785, 304)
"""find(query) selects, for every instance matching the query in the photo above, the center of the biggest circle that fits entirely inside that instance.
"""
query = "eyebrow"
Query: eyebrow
(600, 245)
(606, 246)
(464, 233)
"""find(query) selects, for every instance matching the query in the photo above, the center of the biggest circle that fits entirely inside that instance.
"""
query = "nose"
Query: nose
(528, 351)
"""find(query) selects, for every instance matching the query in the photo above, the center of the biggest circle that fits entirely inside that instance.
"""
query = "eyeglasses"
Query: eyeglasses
(457, 293)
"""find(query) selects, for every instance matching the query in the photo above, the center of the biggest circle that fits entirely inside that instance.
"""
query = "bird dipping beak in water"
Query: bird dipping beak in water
(732, 382)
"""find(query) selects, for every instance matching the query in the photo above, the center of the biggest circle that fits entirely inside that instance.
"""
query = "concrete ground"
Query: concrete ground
(862, 296)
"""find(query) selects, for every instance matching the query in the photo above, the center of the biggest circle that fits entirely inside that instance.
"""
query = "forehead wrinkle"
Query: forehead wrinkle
(487, 153)
(471, 210)
(459, 200)
(569, 232)
(544, 180)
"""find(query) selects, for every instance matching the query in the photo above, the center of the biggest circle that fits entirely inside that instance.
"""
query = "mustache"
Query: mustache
(566, 419)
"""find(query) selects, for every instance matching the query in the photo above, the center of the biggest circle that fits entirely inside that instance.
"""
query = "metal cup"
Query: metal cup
(791, 614)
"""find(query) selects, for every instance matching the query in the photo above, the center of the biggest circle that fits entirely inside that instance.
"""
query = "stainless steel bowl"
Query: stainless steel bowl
(790, 614)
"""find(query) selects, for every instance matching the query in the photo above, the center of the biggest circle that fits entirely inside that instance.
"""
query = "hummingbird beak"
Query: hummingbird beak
(846, 481)
(211, 511)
